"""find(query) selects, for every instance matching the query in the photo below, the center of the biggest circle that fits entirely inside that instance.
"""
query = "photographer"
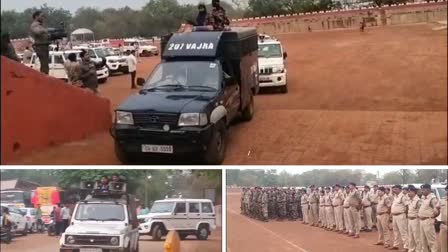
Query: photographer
(41, 41)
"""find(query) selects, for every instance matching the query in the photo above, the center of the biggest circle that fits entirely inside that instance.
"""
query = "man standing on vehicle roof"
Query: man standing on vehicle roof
(41, 43)
(203, 18)
(218, 17)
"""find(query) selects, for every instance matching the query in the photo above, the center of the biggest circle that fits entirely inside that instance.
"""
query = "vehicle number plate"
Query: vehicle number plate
(264, 78)
(90, 250)
(157, 148)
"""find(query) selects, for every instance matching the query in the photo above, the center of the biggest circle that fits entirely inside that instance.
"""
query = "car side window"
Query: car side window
(193, 207)
(180, 208)
(207, 208)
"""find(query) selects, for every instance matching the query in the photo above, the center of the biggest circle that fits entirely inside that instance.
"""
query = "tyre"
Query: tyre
(284, 89)
(248, 112)
(123, 156)
(157, 233)
(202, 233)
(183, 236)
(216, 148)
(25, 230)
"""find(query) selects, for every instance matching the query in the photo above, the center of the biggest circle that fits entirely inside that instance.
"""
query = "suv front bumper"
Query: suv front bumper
(78, 249)
(185, 140)
(273, 80)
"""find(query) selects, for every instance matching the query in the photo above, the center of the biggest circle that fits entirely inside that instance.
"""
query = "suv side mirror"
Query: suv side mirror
(285, 55)
(140, 81)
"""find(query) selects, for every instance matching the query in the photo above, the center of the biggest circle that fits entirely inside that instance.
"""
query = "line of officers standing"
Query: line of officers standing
(349, 211)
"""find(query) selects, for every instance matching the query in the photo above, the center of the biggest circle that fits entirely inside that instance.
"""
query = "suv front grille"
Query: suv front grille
(154, 120)
(92, 240)
(266, 71)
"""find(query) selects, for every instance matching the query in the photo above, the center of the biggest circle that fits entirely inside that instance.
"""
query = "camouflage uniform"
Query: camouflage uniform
(271, 205)
(288, 204)
(295, 205)
(264, 205)
(281, 201)
(218, 18)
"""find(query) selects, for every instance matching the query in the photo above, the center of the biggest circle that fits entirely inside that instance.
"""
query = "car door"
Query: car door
(208, 213)
(19, 219)
(231, 91)
(194, 215)
(179, 220)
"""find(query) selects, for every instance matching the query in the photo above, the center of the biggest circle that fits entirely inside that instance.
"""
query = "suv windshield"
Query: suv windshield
(100, 212)
(100, 52)
(12, 197)
(162, 207)
(270, 50)
(187, 74)
(109, 52)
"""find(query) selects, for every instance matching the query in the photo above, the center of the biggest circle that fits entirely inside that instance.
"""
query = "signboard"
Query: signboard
(193, 44)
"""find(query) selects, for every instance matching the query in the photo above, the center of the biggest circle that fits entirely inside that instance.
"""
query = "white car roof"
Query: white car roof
(184, 200)
(269, 42)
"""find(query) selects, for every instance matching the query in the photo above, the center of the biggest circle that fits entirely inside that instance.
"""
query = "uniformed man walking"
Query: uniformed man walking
(383, 210)
(413, 221)
(427, 213)
(41, 41)
(399, 221)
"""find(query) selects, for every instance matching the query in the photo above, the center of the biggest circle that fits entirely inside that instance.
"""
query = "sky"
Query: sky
(20, 5)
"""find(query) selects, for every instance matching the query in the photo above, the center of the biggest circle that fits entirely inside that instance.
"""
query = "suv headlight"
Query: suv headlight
(114, 241)
(278, 69)
(70, 239)
(193, 119)
(123, 117)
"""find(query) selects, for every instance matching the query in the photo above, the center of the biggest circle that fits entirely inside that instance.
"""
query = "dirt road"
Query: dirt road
(378, 97)
(45, 243)
(246, 234)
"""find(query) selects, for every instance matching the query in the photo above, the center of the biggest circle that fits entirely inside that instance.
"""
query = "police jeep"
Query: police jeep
(105, 221)
(206, 80)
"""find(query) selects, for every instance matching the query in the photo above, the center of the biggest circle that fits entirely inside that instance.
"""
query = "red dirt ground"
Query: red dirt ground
(378, 97)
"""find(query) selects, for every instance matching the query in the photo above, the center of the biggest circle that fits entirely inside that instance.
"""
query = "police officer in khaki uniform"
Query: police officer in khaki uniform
(355, 207)
(399, 221)
(374, 204)
(305, 206)
(383, 216)
(329, 212)
(322, 216)
(367, 209)
(443, 226)
(346, 207)
(313, 199)
(413, 222)
(338, 199)
(427, 213)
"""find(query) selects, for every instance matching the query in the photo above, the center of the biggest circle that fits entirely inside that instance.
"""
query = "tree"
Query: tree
(392, 178)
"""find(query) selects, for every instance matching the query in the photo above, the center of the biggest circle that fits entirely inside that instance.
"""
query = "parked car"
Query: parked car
(145, 47)
(186, 216)
(31, 220)
(20, 223)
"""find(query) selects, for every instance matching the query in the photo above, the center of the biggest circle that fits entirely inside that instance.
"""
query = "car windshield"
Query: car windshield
(442, 192)
(162, 207)
(100, 212)
(100, 52)
(186, 74)
(109, 52)
(12, 197)
(269, 50)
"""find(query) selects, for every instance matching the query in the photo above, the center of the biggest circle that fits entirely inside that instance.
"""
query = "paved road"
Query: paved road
(45, 243)
(379, 97)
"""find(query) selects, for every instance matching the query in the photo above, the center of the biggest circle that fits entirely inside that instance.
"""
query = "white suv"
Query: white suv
(20, 223)
(186, 216)
(145, 47)
(272, 64)
(57, 60)
(114, 63)
(102, 223)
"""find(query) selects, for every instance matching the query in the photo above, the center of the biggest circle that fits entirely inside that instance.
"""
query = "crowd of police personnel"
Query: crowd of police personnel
(409, 212)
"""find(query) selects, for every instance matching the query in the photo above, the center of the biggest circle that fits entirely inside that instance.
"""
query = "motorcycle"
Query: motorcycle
(51, 228)
(6, 234)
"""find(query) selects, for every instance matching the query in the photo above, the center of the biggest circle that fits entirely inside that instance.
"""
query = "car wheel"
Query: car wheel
(248, 112)
(202, 233)
(183, 236)
(123, 156)
(216, 148)
(25, 230)
(157, 233)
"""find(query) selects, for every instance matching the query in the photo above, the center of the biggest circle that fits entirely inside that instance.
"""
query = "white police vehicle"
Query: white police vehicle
(186, 216)
(105, 221)
(114, 63)
(145, 47)
(20, 224)
(271, 63)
